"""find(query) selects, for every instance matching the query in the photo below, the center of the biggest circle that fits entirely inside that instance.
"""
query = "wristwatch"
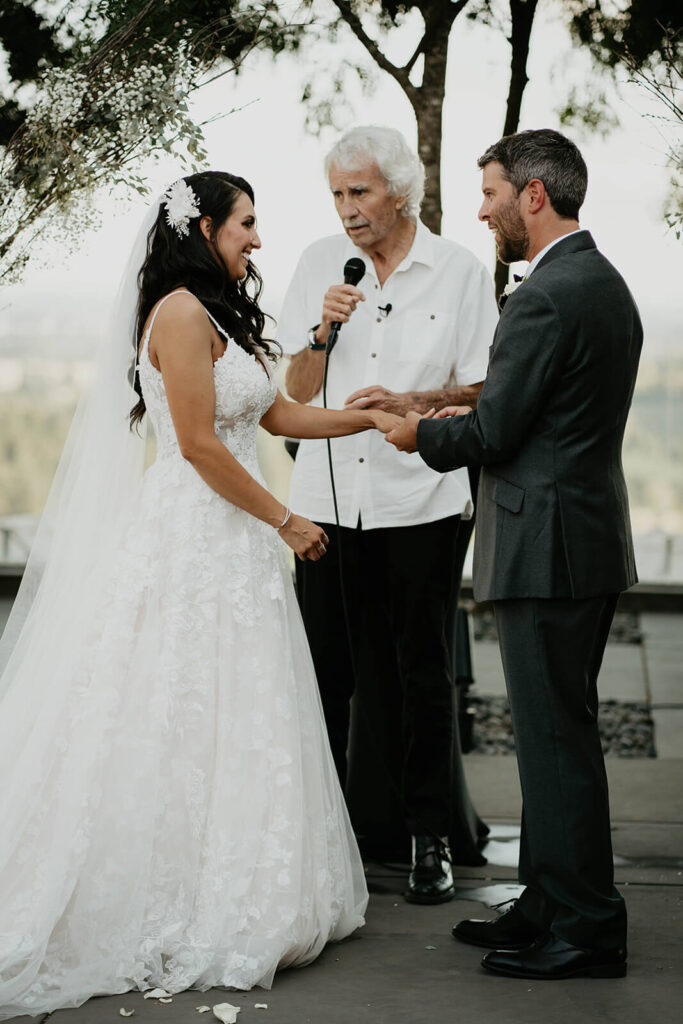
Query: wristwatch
(315, 346)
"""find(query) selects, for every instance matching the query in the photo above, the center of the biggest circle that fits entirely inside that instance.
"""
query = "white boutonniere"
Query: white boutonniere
(509, 288)
(512, 286)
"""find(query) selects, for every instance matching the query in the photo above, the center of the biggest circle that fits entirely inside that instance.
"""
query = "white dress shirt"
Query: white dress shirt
(436, 335)
(539, 255)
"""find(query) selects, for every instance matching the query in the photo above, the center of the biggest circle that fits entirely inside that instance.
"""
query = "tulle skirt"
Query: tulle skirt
(170, 813)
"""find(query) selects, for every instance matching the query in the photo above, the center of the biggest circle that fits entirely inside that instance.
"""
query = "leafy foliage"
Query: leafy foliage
(664, 82)
(29, 44)
(593, 112)
(644, 39)
(106, 86)
(639, 29)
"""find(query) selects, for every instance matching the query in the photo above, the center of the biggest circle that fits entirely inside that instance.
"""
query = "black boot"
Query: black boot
(431, 878)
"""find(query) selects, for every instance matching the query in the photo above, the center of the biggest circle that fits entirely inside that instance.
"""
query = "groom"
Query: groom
(553, 544)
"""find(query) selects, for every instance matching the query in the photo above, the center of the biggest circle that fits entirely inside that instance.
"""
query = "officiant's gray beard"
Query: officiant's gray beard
(514, 244)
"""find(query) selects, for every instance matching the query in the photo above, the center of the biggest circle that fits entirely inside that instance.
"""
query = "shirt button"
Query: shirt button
(374, 355)
(361, 460)
(379, 319)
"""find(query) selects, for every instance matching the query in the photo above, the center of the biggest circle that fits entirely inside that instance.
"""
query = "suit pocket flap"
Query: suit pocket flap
(508, 496)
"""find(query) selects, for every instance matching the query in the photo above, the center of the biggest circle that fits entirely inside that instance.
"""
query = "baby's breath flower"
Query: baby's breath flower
(87, 128)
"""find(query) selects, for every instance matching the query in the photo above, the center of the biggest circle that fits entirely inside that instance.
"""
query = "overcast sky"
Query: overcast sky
(266, 143)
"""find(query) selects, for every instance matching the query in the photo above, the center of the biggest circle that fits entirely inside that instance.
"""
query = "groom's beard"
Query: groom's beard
(514, 237)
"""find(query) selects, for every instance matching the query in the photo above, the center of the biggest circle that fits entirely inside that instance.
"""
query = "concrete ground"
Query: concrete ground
(404, 967)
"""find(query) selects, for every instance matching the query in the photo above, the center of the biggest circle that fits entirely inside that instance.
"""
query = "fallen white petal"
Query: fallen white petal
(226, 1013)
(202, 1009)
(430, 947)
(162, 1000)
(260, 1006)
(126, 1013)
(157, 993)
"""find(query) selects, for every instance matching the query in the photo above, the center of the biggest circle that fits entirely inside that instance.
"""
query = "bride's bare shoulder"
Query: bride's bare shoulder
(180, 308)
(178, 319)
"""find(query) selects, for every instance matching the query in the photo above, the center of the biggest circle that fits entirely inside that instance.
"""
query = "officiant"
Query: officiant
(415, 335)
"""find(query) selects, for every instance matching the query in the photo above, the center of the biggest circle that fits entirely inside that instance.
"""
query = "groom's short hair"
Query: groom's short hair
(549, 156)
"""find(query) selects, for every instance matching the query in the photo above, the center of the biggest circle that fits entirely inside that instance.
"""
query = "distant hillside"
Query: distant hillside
(38, 397)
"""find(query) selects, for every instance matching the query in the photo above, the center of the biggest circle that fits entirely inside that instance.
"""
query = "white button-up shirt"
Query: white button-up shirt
(539, 255)
(436, 335)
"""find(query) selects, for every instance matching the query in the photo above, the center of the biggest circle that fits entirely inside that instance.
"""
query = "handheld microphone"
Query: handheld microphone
(353, 272)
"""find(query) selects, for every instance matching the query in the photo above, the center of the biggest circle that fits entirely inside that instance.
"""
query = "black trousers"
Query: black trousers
(552, 651)
(397, 584)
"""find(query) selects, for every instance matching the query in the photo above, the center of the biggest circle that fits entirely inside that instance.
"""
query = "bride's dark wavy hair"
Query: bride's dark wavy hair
(175, 260)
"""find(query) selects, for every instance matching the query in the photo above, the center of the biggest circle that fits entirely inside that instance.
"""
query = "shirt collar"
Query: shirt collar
(421, 251)
(539, 255)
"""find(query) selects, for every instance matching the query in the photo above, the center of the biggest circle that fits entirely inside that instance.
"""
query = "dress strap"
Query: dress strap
(181, 291)
(184, 291)
(215, 323)
(178, 291)
(145, 337)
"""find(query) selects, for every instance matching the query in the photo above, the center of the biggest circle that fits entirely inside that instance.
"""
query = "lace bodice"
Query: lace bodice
(245, 391)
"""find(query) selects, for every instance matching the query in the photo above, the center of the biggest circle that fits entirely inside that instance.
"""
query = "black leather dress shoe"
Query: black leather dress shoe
(553, 958)
(431, 878)
(510, 931)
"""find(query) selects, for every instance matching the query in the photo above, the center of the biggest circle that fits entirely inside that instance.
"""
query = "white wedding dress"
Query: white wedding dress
(170, 814)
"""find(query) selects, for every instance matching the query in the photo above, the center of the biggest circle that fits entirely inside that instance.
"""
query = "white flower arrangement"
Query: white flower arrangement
(181, 205)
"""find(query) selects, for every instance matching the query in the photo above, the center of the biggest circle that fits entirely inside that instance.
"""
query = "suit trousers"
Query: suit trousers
(552, 650)
(397, 585)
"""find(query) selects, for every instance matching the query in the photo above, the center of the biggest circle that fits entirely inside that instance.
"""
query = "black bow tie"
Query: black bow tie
(518, 277)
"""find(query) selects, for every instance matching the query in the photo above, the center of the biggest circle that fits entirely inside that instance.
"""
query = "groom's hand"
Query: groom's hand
(452, 410)
(404, 437)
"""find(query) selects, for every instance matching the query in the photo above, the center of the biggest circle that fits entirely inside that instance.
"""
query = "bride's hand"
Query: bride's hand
(306, 539)
(384, 421)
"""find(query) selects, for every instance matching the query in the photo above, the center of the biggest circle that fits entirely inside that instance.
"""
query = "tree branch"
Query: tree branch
(400, 75)
(118, 39)
(448, 14)
(413, 60)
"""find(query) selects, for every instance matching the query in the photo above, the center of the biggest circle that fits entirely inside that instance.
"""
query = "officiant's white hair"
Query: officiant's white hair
(402, 169)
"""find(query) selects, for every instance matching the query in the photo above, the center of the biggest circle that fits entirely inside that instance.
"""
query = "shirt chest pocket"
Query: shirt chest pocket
(428, 339)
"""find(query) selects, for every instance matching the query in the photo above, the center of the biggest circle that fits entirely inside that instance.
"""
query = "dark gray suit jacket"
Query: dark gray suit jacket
(552, 515)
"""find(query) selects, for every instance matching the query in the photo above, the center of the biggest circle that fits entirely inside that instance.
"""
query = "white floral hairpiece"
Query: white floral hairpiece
(181, 205)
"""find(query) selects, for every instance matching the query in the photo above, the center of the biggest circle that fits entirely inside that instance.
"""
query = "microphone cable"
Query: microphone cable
(354, 269)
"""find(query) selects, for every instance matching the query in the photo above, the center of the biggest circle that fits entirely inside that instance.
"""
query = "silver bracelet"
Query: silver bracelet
(286, 519)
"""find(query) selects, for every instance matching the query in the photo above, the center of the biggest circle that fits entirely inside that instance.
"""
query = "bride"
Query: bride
(170, 812)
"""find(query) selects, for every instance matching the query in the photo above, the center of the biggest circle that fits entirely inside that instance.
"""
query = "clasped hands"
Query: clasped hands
(402, 434)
